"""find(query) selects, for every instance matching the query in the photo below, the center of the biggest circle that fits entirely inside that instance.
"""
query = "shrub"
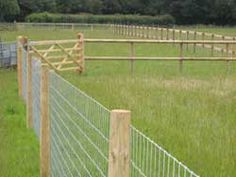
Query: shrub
(89, 18)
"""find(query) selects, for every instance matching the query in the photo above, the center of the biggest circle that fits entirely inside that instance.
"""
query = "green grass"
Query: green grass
(191, 114)
(19, 155)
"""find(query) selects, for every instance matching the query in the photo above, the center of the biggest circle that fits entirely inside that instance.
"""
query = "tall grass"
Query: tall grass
(191, 114)
(19, 155)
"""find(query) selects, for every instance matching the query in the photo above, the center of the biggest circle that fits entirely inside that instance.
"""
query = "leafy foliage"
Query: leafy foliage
(88, 18)
(218, 12)
(8, 9)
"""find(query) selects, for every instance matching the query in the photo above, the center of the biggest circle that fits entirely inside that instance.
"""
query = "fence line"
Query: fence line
(230, 55)
(80, 137)
(173, 34)
(54, 26)
(166, 33)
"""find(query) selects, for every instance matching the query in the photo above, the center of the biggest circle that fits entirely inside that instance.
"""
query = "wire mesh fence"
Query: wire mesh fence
(7, 54)
(148, 159)
(79, 131)
(36, 81)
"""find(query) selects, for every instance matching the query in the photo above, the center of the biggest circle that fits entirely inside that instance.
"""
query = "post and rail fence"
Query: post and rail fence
(159, 33)
(78, 135)
(181, 58)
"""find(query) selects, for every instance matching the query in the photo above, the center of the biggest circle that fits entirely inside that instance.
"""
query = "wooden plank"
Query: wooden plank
(119, 144)
(67, 57)
(44, 124)
(121, 58)
(181, 58)
(61, 57)
(19, 65)
(64, 63)
(51, 42)
(43, 58)
(68, 54)
(81, 53)
(48, 51)
(132, 57)
(158, 41)
(75, 68)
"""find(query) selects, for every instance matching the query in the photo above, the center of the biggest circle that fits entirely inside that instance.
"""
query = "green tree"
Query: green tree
(38, 5)
(9, 10)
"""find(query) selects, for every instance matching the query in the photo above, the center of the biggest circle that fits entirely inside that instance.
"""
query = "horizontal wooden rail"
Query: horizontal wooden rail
(51, 42)
(124, 58)
(61, 24)
(59, 50)
(158, 41)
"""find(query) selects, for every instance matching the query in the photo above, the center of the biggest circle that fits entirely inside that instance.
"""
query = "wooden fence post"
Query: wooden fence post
(44, 124)
(212, 46)
(173, 35)
(203, 38)
(81, 52)
(180, 34)
(234, 48)
(120, 29)
(116, 29)
(161, 33)
(195, 38)
(132, 57)
(227, 54)
(136, 31)
(156, 33)
(29, 105)
(119, 144)
(133, 30)
(181, 58)
(72, 27)
(19, 64)
(187, 37)
(167, 33)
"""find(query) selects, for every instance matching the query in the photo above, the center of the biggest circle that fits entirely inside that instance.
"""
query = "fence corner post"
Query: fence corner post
(80, 37)
(44, 123)
(29, 102)
(119, 144)
(19, 64)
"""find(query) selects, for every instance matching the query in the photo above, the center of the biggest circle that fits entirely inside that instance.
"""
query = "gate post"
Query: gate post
(119, 144)
(44, 123)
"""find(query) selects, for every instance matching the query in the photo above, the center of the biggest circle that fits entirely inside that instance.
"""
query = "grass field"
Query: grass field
(191, 114)
(19, 146)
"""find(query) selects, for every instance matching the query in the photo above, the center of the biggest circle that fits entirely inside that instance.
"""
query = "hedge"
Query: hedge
(89, 18)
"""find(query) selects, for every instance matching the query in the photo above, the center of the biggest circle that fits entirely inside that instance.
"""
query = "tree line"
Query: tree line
(219, 12)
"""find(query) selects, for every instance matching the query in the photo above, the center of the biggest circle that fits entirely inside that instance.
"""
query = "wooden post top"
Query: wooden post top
(121, 111)
(22, 39)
